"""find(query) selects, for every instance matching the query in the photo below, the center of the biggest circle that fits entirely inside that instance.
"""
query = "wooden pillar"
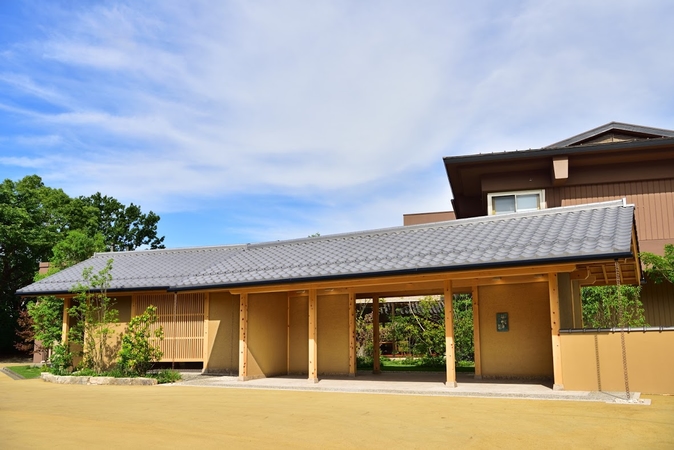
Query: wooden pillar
(553, 288)
(134, 305)
(243, 337)
(352, 334)
(476, 332)
(288, 338)
(449, 335)
(313, 336)
(207, 305)
(376, 364)
(65, 322)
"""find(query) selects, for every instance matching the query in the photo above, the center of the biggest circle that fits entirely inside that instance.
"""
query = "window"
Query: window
(512, 202)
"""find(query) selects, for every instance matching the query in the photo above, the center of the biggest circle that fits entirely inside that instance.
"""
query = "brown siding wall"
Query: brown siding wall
(650, 364)
(658, 300)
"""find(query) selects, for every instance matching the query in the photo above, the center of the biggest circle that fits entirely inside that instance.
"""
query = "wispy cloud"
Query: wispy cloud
(344, 109)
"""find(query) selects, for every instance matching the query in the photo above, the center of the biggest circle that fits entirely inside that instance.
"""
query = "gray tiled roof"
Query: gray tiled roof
(572, 233)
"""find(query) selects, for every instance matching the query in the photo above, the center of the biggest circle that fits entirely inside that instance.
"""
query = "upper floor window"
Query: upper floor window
(512, 202)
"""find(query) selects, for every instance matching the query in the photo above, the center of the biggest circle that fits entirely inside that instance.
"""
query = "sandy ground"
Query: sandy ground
(36, 415)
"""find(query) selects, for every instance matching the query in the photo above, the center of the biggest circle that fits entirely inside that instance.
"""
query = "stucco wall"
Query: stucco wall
(223, 334)
(333, 334)
(650, 361)
(526, 349)
(267, 334)
(299, 335)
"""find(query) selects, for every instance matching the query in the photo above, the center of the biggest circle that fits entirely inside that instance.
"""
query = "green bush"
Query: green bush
(61, 361)
(138, 353)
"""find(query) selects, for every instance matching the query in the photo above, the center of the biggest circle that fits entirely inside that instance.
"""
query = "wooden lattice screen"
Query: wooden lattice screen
(183, 323)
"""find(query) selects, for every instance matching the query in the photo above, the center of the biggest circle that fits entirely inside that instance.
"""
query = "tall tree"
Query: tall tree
(39, 223)
(32, 216)
(124, 228)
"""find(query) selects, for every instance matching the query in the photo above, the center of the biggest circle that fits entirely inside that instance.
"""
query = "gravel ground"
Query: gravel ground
(36, 415)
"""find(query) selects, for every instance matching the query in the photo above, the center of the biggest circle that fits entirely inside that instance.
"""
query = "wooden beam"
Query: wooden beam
(376, 364)
(352, 334)
(313, 336)
(450, 357)
(476, 332)
(243, 337)
(404, 279)
(553, 289)
(603, 269)
(560, 170)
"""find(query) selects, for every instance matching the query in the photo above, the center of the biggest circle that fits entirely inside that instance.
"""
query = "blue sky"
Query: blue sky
(242, 121)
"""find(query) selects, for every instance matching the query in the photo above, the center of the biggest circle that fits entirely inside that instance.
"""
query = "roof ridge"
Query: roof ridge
(173, 250)
(621, 126)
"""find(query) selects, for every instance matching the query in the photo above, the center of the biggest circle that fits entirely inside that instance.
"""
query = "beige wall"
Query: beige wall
(333, 334)
(299, 336)
(267, 334)
(525, 350)
(223, 334)
(650, 361)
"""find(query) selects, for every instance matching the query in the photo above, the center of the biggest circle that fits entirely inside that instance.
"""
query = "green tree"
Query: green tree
(463, 327)
(612, 306)
(124, 228)
(39, 223)
(659, 268)
(96, 315)
(32, 218)
(138, 353)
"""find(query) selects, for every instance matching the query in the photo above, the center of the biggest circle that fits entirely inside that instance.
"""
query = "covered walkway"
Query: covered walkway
(411, 383)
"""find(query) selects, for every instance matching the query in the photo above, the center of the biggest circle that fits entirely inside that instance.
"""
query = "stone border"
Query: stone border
(62, 379)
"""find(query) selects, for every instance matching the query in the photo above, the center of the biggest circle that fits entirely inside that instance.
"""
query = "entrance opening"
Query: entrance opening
(412, 334)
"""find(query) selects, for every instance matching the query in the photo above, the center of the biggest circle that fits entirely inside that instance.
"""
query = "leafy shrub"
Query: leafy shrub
(61, 360)
(138, 353)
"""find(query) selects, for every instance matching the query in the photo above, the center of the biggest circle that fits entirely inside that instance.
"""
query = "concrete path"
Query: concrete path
(412, 383)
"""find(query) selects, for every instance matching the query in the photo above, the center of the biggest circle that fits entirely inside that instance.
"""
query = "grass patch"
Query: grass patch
(27, 372)
(166, 376)
(414, 365)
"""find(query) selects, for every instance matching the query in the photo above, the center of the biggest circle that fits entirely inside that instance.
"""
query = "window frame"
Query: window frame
(491, 196)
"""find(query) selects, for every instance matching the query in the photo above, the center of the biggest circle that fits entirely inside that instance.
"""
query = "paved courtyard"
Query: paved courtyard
(35, 414)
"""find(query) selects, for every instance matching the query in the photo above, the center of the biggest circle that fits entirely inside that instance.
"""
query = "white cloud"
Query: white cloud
(173, 104)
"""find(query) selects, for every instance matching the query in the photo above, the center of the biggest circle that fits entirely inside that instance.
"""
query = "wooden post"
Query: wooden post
(207, 304)
(553, 287)
(66, 323)
(376, 365)
(243, 337)
(450, 357)
(352, 334)
(313, 336)
(476, 332)
(288, 339)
